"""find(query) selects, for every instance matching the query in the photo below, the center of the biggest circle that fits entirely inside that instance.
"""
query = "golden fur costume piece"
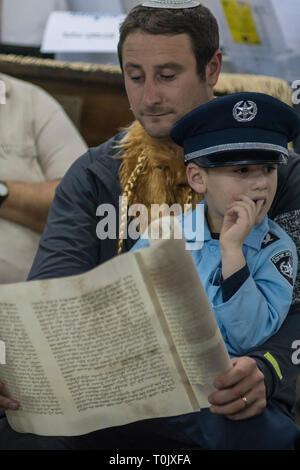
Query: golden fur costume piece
(152, 172)
(161, 176)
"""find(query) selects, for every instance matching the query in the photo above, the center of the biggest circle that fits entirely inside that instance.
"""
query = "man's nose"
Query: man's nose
(151, 94)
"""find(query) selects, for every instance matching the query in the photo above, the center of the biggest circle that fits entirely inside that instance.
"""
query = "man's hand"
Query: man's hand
(244, 379)
(5, 402)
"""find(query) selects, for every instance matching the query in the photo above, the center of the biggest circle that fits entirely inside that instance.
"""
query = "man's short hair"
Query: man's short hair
(198, 23)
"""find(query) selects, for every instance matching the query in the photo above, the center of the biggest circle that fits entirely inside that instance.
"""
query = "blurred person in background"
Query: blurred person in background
(38, 144)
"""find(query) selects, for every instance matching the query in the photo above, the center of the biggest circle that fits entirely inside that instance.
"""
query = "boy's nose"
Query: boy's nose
(259, 181)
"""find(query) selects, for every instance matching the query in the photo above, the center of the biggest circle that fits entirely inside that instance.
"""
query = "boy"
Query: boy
(248, 263)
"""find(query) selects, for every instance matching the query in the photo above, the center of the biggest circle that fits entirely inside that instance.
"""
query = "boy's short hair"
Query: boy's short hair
(198, 23)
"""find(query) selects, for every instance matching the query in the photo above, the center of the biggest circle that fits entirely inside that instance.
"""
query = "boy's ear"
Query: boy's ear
(196, 177)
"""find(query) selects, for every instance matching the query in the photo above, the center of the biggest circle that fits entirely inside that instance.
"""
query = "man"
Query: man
(171, 61)
(38, 144)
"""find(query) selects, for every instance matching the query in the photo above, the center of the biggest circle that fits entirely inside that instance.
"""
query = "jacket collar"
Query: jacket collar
(105, 166)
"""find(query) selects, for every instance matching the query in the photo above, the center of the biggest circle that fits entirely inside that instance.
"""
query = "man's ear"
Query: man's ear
(196, 177)
(213, 68)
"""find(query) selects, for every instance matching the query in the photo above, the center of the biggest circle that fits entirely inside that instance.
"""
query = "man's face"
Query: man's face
(161, 80)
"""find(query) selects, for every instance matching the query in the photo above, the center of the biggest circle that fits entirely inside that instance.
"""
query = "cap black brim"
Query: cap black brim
(239, 158)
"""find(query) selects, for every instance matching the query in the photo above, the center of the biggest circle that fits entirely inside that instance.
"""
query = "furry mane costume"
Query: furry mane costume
(153, 171)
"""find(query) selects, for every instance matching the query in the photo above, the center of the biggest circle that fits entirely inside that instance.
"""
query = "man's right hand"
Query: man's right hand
(7, 403)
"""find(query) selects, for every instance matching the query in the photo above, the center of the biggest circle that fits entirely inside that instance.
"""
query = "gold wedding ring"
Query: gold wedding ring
(245, 400)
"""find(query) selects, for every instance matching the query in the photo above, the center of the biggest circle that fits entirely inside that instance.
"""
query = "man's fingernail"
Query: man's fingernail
(13, 406)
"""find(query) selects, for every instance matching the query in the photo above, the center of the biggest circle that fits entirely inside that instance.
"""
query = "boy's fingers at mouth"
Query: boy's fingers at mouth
(259, 204)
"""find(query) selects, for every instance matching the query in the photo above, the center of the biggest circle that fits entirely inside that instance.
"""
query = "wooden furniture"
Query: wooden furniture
(94, 95)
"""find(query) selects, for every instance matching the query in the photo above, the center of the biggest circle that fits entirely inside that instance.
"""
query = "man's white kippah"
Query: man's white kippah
(171, 4)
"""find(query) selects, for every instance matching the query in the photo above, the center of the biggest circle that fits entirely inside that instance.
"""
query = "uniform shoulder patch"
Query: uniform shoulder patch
(269, 239)
(283, 262)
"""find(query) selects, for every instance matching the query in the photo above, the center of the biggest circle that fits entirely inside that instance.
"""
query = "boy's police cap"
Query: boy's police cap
(241, 128)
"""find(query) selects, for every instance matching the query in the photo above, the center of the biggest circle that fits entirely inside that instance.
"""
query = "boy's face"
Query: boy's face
(222, 186)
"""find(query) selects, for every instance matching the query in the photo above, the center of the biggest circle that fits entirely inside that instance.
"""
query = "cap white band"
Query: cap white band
(237, 146)
(171, 4)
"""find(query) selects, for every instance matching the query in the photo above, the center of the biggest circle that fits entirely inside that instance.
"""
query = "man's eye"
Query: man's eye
(167, 76)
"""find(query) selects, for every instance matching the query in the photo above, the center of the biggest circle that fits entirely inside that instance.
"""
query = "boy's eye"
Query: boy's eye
(269, 168)
(242, 170)
(266, 169)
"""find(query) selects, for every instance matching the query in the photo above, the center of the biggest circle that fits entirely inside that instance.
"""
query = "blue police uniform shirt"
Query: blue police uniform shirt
(258, 306)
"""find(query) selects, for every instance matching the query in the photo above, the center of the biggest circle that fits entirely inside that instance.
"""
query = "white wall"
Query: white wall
(23, 21)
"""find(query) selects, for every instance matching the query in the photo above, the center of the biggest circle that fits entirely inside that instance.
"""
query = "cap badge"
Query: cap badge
(245, 111)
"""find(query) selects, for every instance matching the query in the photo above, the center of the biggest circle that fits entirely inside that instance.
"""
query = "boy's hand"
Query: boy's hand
(239, 219)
